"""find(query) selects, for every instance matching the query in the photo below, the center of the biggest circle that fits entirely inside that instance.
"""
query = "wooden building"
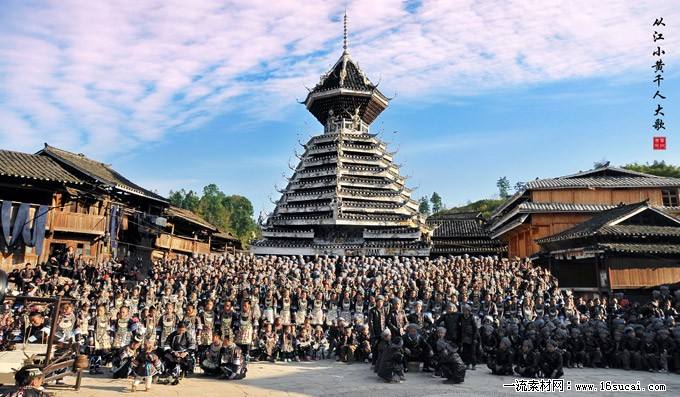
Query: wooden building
(225, 242)
(85, 208)
(628, 247)
(463, 233)
(41, 184)
(186, 233)
(549, 206)
(131, 213)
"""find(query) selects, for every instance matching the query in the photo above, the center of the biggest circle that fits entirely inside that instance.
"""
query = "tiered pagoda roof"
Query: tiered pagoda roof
(346, 196)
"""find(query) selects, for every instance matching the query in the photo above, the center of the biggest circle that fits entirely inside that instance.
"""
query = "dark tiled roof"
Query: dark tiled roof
(507, 203)
(189, 216)
(600, 221)
(457, 228)
(531, 207)
(98, 171)
(436, 249)
(31, 166)
(354, 77)
(466, 242)
(639, 230)
(497, 232)
(642, 248)
(608, 171)
(602, 182)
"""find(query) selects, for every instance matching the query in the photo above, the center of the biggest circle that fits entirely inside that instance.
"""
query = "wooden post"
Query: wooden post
(53, 329)
(172, 237)
(79, 378)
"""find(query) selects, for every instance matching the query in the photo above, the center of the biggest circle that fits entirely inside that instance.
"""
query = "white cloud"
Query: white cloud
(96, 76)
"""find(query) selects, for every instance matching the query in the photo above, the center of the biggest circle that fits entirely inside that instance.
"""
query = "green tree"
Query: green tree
(229, 213)
(436, 202)
(211, 208)
(503, 185)
(176, 198)
(424, 206)
(183, 199)
(191, 201)
(659, 168)
(240, 216)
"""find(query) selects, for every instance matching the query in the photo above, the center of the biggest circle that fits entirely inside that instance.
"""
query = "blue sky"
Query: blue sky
(181, 96)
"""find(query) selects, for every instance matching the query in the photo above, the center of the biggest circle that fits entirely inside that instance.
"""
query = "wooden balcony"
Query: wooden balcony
(182, 244)
(78, 223)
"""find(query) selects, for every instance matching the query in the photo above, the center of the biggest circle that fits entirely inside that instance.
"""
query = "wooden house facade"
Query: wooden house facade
(87, 210)
(31, 186)
(131, 214)
(186, 234)
(629, 247)
(546, 207)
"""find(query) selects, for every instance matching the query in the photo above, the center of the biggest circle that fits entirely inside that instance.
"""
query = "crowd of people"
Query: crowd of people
(444, 315)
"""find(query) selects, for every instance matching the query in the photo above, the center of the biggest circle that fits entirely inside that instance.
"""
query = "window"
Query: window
(670, 197)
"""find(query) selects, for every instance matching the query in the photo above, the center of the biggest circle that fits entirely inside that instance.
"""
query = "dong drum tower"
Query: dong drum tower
(346, 196)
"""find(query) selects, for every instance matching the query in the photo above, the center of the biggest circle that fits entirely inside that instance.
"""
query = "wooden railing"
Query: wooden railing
(78, 223)
(182, 244)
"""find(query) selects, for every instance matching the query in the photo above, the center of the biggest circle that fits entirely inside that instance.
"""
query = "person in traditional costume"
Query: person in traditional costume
(146, 366)
(269, 304)
(449, 363)
(317, 311)
(66, 323)
(287, 343)
(232, 362)
(179, 353)
(28, 383)
(122, 329)
(320, 344)
(285, 308)
(391, 363)
(551, 361)
(377, 321)
(207, 325)
(122, 361)
(245, 331)
(168, 321)
(210, 362)
(269, 343)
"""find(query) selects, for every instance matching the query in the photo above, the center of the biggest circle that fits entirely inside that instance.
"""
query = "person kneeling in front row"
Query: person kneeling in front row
(449, 362)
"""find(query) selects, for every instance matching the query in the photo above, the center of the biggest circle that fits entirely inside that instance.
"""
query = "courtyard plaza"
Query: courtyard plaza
(330, 378)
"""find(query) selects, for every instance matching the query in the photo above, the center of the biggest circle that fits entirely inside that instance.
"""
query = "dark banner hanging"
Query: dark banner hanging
(26, 230)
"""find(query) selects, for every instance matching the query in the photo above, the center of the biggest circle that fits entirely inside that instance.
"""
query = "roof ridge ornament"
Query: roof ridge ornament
(345, 53)
(345, 42)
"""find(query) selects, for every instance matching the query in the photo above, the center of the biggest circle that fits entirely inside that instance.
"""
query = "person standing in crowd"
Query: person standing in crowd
(469, 337)
(376, 324)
